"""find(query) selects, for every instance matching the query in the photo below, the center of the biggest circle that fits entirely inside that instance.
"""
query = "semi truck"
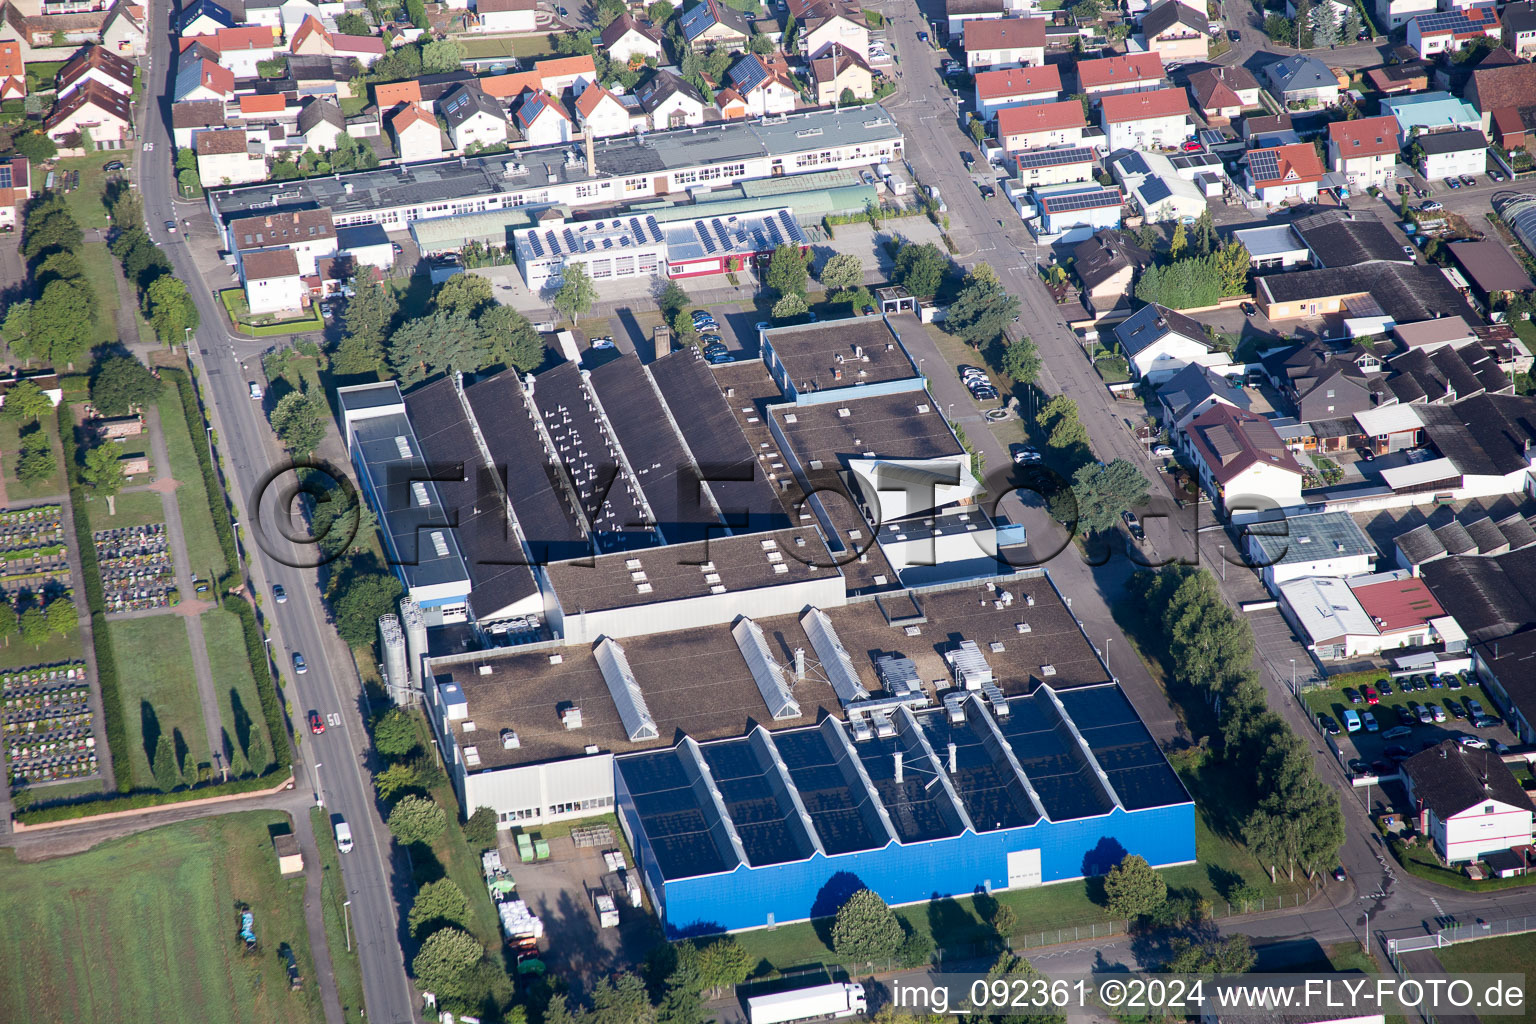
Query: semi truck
(819, 1003)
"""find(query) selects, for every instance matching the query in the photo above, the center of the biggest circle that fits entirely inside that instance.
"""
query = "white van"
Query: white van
(343, 837)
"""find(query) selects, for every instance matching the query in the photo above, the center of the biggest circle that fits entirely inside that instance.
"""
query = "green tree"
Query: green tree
(395, 736)
(786, 270)
(1058, 418)
(8, 622)
(296, 420)
(361, 601)
(1352, 24)
(34, 626)
(865, 929)
(1178, 248)
(920, 269)
(439, 342)
(396, 779)
(62, 616)
(352, 24)
(26, 403)
(36, 462)
(61, 266)
(1232, 265)
(122, 383)
(981, 311)
(448, 958)
(416, 10)
(1232, 955)
(470, 294)
(167, 774)
(50, 227)
(659, 12)
(1132, 888)
(441, 56)
(673, 304)
(607, 10)
(1084, 11)
(1010, 969)
(103, 473)
(170, 310)
(760, 44)
(1021, 361)
(480, 828)
(35, 146)
(576, 293)
(916, 950)
(1205, 233)
(1004, 921)
(723, 963)
(790, 306)
(416, 819)
(437, 904)
(843, 271)
(60, 323)
(621, 1000)
(978, 130)
(509, 339)
(1103, 492)
(559, 1012)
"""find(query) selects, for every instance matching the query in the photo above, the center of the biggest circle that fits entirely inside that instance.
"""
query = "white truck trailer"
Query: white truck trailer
(818, 1003)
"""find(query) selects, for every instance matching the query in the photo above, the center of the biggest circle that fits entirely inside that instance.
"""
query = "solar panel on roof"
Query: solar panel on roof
(1080, 201)
(1155, 190)
(1054, 157)
(1264, 164)
(1441, 21)
(5, 175)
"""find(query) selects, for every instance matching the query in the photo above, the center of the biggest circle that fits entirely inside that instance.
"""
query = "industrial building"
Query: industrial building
(617, 170)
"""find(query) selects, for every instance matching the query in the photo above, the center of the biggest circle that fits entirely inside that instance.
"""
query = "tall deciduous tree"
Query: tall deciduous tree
(122, 383)
(790, 306)
(437, 904)
(786, 270)
(167, 774)
(464, 293)
(1132, 888)
(298, 423)
(508, 338)
(575, 294)
(360, 603)
(920, 269)
(842, 271)
(446, 961)
(1021, 361)
(34, 626)
(865, 929)
(8, 622)
(170, 310)
(103, 473)
(395, 736)
(440, 342)
(981, 311)
(416, 819)
(36, 461)
(26, 403)
(441, 56)
(62, 617)
(1103, 492)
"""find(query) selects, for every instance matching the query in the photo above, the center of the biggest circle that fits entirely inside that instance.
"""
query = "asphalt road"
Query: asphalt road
(329, 765)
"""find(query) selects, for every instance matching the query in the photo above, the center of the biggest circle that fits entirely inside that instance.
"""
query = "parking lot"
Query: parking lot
(559, 890)
(1394, 739)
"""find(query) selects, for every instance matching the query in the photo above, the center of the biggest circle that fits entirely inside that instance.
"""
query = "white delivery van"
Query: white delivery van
(343, 836)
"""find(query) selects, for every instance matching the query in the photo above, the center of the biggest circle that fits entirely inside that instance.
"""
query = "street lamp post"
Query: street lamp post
(346, 921)
(1221, 558)
(1107, 641)
(319, 793)
(1293, 676)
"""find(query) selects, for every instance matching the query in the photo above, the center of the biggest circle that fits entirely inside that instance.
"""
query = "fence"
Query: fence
(1455, 932)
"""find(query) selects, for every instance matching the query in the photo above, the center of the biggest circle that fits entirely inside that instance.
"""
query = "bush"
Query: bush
(139, 799)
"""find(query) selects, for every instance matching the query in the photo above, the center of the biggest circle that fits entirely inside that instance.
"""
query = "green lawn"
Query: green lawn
(265, 325)
(333, 893)
(85, 202)
(100, 272)
(225, 642)
(19, 654)
(20, 493)
(507, 46)
(159, 688)
(136, 508)
(145, 929)
(191, 496)
(1513, 954)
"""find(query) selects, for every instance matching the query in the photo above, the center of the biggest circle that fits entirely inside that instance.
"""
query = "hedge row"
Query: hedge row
(115, 725)
(196, 427)
(149, 798)
(223, 525)
(266, 689)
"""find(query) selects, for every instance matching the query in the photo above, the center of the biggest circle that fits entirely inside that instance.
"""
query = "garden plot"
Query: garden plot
(47, 721)
(136, 570)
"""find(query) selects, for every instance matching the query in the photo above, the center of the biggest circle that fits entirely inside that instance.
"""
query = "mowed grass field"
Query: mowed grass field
(159, 686)
(145, 929)
(191, 496)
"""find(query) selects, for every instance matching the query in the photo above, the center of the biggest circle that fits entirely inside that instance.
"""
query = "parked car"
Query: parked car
(1452, 183)
(1405, 716)
(1370, 694)
(1192, 146)
(602, 343)
(1468, 180)
(1456, 710)
(1353, 695)
(1384, 687)
(113, 165)
(1426, 716)
(922, 37)
(1133, 524)
(1474, 707)
(1162, 451)
(316, 723)
(1234, 35)
(255, 390)
(1339, 874)
(170, 226)
(1453, 681)
(1329, 725)
(1397, 752)
(1381, 766)
(1397, 732)
(299, 668)
(1023, 454)
(1436, 683)
(1358, 767)
(1351, 720)
(1484, 721)
(1369, 721)
(1249, 309)
(1432, 206)
(1475, 742)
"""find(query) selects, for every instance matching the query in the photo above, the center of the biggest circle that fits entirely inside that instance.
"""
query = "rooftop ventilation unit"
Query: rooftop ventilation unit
(861, 730)
(997, 700)
(899, 675)
(471, 757)
(969, 665)
(509, 740)
(954, 706)
(884, 727)
(570, 717)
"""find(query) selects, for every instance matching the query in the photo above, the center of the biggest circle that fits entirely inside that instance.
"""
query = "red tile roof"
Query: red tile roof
(1296, 162)
(1137, 106)
(391, 94)
(1127, 70)
(992, 85)
(506, 87)
(275, 103)
(10, 59)
(1039, 117)
(1366, 136)
(1398, 604)
(412, 113)
(1004, 34)
(1230, 441)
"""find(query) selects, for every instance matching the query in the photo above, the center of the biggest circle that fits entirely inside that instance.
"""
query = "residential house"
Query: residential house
(1260, 130)
(368, 245)
(95, 111)
(1361, 616)
(264, 109)
(1222, 93)
(314, 39)
(959, 13)
(1446, 375)
(203, 80)
(1384, 294)
(729, 104)
(839, 70)
(1322, 384)
(670, 102)
(272, 282)
(1449, 31)
(708, 24)
(1452, 154)
(1469, 804)
(1519, 32)
(474, 119)
(505, 16)
(1303, 80)
(1430, 112)
(204, 18)
(1058, 165)
(561, 73)
(1159, 342)
(96, 64)
(1156, 187)
(13, 71)
(1107, 264)
(1272, 246)
(1241, 461)
(1364, 150)
(188, 120)
(1395, 13)
(1071, 213)
(1510, 91)
(824, 23)
(308, 234)
(123, 31)
(15, 191)
(321, 124)
(1145, 120)
(1176, 31)
(629, 40)
(1006, 42)
(1040, 125)
(1016, 87)
(417, 135)
(1395, 79)
(542, 121)
(225, 158)
(600, 113)
(763, 84)
(1133, 72)
(1192, 392)
(243, 48)
(1283, 173)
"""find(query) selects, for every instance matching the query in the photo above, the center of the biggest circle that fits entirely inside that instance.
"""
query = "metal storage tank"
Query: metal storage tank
(396, 679)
